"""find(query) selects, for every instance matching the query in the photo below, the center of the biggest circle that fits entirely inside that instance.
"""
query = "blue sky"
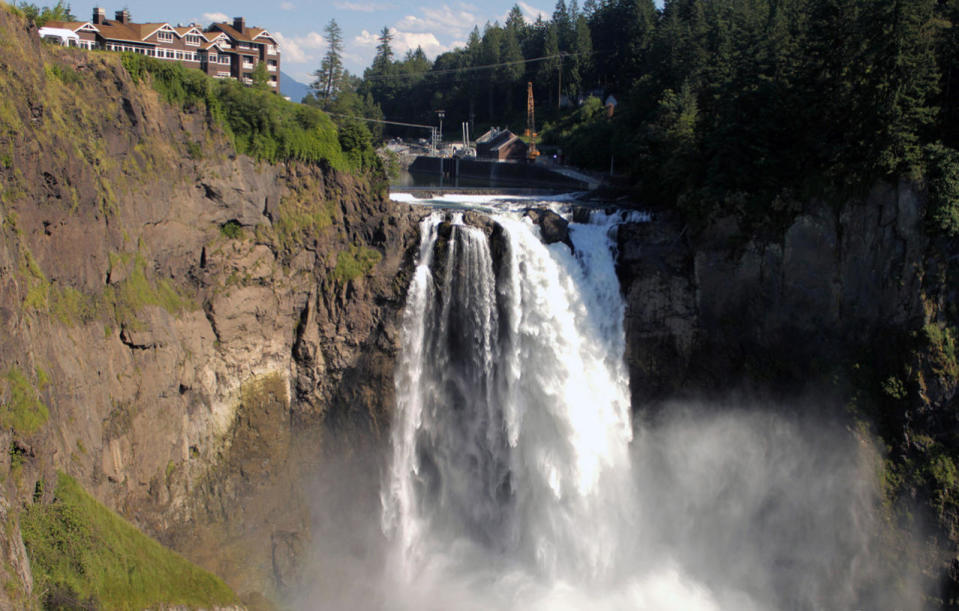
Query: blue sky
(298, 24)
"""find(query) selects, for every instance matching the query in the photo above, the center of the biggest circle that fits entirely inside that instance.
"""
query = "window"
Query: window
(225, 59)
(164, 36)
(179, 54)
(170, 55)
(193, 40)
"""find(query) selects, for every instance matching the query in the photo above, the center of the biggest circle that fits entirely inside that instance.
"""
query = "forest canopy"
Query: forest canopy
(719, 102)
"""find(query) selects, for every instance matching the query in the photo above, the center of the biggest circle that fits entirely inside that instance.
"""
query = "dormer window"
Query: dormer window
(193, 39)
(164, 36)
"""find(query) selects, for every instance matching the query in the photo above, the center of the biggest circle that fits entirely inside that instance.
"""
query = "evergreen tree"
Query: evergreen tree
(261, 78)
(510, 74)
(330, 74)
(581, 57)
(515, 20)
(384, 53)
(550, 68)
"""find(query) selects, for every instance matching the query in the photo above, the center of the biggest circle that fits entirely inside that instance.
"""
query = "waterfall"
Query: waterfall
(518, 481)
(511, 465)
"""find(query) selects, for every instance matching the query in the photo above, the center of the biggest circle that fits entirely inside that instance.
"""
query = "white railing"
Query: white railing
(271, 68)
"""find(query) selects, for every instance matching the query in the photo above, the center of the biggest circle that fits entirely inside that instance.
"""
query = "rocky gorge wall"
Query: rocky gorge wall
(846, 312)
(181, 326)
(190, 333)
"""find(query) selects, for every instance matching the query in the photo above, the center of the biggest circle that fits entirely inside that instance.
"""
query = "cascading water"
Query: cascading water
(511, 471)
(517, 480)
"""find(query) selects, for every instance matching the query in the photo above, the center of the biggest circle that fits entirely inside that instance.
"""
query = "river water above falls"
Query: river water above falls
(517, 479)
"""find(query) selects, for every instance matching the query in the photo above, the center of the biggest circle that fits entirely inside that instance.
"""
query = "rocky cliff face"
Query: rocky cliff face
(848, 304)
(180, 326)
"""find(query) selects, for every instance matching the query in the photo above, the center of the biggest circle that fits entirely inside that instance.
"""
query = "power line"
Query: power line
(339, 114)
(376, 77)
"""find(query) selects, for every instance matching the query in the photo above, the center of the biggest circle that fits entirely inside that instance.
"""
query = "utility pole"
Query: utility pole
(559, 89)
(441, 113)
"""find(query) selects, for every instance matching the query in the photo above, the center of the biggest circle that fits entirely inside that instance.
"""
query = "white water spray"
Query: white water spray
(511, 483)
(516, 480)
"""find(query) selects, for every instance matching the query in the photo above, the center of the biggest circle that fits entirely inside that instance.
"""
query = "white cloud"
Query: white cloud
(456, 22)
(287, 6)
(216, 17)
(300, 49)
(366, 39)
(364, 7)
(402, 42)
(530, 13)
(407, 41)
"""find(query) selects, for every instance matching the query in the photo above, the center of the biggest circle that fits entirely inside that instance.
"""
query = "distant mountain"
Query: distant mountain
(291, 88)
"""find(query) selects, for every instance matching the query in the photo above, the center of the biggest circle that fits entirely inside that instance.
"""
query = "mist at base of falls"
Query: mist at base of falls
(516, 479)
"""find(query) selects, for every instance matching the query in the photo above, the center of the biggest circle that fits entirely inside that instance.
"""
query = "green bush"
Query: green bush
(84, 555)
(942, 180)
(231, 229)
(22, 410)
(355, 262)
(261, 124)
(136, 291)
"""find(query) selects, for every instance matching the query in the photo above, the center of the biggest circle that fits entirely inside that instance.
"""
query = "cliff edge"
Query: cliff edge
(180, 324)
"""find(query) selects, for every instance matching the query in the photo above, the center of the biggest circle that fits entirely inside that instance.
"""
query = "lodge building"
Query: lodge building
(222, 50)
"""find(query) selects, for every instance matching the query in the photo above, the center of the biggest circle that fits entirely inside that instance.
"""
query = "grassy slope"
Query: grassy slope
(80, 550)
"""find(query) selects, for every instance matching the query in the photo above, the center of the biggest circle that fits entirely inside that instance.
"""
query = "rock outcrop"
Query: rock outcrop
(192, 321)
(847, 304)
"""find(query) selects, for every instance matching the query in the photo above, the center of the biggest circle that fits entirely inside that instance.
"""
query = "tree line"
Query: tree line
(722, 102)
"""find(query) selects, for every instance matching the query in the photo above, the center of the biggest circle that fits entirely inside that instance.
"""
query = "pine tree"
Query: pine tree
(581, 58)
(329, 76)
(384, 53)
(549, 69)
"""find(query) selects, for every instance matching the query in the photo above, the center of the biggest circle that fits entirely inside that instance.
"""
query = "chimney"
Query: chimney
(239, 24)
(99, 16)
(123, 16)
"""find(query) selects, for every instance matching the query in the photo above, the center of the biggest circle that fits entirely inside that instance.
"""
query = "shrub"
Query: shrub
(260, 123)
(355, 262)
(22, 410)
(85, 556)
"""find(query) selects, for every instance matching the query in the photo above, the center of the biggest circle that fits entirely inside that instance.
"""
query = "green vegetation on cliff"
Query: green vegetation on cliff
(21, 408)
(260, 123)
(355, 262)
(85, 556)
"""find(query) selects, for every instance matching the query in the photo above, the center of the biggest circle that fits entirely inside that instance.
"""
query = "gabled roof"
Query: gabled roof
(233, 33)
(114, 30)
(189, 29)
(503, 139)
(166, 27)
(73, 26)
(147, 30)
(260, 33)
